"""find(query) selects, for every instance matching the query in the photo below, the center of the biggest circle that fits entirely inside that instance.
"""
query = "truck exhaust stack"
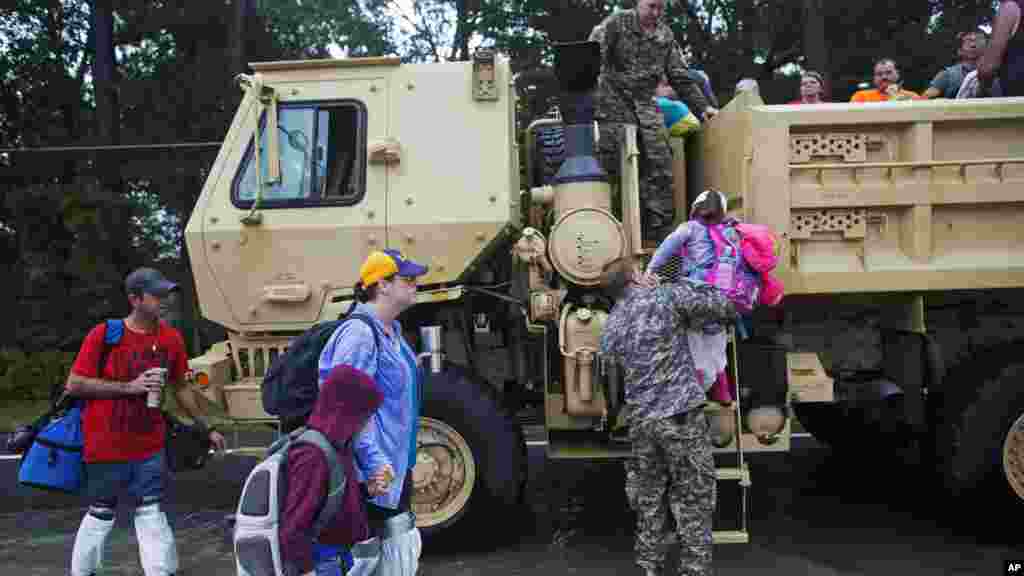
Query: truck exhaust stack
(577, 66)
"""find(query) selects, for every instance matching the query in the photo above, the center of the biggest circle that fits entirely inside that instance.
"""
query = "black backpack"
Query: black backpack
(290, 386)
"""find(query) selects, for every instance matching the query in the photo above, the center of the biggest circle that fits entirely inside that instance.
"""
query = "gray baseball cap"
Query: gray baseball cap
(148, 281)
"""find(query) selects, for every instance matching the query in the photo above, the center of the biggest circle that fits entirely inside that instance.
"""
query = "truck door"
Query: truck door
(313, 226)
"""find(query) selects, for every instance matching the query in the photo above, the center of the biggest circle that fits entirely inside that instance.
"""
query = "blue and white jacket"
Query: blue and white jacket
(390, 435)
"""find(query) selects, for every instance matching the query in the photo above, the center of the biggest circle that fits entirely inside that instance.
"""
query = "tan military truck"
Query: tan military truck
(327, 160)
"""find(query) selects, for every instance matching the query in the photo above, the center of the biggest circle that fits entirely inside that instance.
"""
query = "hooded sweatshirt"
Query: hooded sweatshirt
(346, 399)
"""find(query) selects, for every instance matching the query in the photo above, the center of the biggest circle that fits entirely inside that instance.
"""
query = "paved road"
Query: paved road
(812, 513)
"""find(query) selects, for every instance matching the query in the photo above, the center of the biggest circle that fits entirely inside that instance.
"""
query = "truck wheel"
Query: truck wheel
(470, 457)
(825, 421)
(1013, 456)
(988, 440)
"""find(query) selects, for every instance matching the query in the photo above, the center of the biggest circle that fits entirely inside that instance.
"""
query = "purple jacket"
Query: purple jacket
(346, 400)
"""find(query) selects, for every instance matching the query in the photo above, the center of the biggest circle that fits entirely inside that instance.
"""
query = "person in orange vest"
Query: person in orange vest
(887, 85)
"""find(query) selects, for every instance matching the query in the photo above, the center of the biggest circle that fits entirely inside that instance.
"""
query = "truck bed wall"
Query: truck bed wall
(889, 197)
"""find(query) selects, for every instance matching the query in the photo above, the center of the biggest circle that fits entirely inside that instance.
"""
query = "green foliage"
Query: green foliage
(307, 28)
(32, 376)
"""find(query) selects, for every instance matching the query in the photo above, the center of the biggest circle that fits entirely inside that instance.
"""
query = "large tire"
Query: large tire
(987, 451)
(471, 460)
(825, 421)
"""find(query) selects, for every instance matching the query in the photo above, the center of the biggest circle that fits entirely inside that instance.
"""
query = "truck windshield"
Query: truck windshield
(321, 150)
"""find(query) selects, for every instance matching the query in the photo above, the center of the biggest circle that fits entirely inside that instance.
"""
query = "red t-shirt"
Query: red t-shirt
(125, 429)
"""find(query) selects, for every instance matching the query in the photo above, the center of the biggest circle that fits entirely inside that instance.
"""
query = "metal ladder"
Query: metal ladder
(739, 473)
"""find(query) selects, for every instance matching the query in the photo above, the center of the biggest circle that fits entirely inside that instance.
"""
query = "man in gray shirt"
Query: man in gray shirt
(947, 83)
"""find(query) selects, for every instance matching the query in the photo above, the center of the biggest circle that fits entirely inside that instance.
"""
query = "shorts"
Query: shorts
(140, 479)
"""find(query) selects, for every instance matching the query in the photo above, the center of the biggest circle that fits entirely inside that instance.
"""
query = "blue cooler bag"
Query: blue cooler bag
(54, 461)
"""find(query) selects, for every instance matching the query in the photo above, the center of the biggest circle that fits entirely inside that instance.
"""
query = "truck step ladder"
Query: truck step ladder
(740, 472)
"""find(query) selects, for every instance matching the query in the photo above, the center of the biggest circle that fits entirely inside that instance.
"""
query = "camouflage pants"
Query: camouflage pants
(655, 165)
(673, 456)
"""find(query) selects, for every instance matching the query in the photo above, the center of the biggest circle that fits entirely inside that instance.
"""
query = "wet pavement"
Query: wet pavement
(811, 512)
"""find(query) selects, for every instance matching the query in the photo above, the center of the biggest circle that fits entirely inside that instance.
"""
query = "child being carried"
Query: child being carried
(709, 248)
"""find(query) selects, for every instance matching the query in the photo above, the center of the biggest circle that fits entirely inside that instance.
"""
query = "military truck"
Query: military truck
(884, 205)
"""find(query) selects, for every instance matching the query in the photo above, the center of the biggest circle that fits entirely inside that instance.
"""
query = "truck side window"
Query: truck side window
(322, 150)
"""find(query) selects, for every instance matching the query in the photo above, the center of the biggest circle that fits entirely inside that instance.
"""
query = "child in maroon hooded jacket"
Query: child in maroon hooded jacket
(346, 400)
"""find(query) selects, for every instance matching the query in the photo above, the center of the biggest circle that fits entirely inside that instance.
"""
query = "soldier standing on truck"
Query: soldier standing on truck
(637, 49)
(386, 448)
(669, 432)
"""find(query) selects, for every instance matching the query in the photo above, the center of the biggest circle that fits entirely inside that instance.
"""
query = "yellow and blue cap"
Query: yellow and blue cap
(386, 263)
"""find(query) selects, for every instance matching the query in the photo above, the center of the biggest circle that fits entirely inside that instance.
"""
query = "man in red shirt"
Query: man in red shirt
(123, 437)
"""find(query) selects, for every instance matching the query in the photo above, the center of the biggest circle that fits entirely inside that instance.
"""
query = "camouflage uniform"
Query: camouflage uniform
(646, 334)
(633, 63)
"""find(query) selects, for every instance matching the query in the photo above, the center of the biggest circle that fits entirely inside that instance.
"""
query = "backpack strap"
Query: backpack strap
(369, 322)
(111, 336)
(285, 441)
(336, 486)
(113, 330)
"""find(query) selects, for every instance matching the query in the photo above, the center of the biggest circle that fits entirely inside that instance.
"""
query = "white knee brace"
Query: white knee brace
(400, 554)
(87, 555)
(156, 541)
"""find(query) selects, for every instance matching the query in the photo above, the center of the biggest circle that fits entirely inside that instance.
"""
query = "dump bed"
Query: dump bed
(887, 197)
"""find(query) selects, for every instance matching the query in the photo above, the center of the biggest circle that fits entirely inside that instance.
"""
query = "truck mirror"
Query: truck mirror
(268, 105)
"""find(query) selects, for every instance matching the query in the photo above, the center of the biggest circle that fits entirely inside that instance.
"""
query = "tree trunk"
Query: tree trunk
(815, 45)
(108, 189)
(103, 72)
(236, 50)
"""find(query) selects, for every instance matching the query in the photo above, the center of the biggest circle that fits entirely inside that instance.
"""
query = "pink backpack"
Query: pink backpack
(760, 246)
(730, 272)
(771, 289)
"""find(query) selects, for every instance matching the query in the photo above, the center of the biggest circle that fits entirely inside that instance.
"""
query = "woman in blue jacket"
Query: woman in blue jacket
(385, 450)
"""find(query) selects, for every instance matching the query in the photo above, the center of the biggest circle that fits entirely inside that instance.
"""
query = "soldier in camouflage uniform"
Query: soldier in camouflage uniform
(638, 49)
(646, 335)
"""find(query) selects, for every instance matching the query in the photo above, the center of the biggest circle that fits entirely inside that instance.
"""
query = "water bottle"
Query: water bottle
(154, 397)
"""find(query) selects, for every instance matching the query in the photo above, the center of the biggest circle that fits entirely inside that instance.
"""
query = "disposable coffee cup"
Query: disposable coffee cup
(153, 397)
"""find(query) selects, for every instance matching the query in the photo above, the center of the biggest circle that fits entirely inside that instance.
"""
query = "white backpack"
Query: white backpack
(257, 520)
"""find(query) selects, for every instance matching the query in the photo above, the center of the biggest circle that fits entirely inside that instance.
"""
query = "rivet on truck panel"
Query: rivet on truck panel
(215, 245)
(373, 88)
(371, 240)
(252, 310)
(242, 240)
(370, 214)
(409, 201)
(409, 238)
(480, 237)
(214, 219)
(410, 86)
